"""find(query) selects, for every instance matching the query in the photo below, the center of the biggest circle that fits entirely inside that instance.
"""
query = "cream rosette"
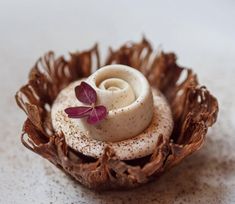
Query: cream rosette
(126, 94)
(137, 115)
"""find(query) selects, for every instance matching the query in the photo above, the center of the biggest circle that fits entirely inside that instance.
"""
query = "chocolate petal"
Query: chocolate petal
(85, 93)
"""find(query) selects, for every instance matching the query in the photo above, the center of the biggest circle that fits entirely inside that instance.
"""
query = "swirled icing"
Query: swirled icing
(126, 94)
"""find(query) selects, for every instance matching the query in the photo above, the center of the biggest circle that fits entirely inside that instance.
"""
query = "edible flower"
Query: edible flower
(87, 95)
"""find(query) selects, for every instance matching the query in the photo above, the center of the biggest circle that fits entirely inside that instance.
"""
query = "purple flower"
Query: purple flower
(87, 95)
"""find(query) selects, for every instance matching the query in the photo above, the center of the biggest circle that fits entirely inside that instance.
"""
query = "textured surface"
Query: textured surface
(207, 176)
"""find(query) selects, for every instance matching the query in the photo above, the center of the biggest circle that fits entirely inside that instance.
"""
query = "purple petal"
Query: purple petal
(78, 112)
(85, 93)
(97, 114)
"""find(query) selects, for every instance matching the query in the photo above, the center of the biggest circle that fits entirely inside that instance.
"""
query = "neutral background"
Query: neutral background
(202, 33)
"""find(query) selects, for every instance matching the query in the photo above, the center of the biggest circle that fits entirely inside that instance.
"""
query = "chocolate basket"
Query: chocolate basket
(194, 109)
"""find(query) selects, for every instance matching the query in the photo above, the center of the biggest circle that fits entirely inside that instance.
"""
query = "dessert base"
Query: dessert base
(81, 140)
(194, 109)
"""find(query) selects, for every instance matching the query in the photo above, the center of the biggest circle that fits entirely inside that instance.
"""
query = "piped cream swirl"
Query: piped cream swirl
(127, 95)
(118, 92)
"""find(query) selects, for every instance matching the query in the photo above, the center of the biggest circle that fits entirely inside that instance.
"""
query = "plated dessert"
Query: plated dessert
(117, 125)
(127, 115)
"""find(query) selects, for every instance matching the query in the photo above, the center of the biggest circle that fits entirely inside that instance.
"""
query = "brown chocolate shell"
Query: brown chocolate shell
(194, 110)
